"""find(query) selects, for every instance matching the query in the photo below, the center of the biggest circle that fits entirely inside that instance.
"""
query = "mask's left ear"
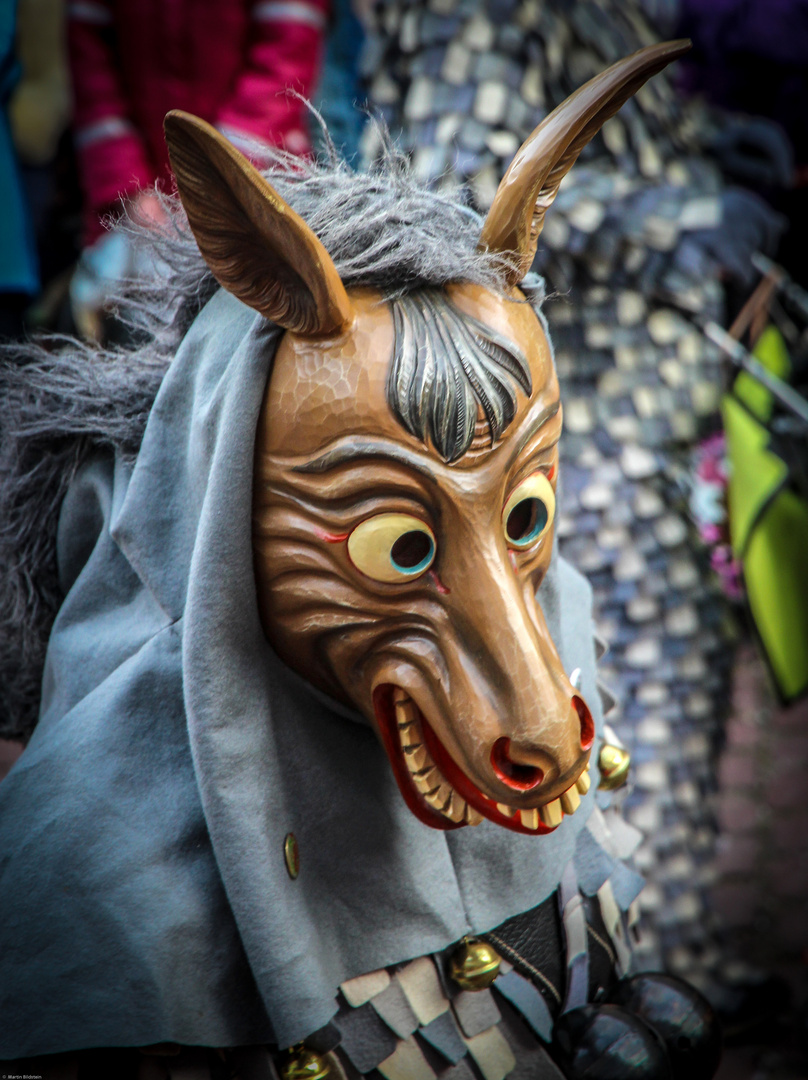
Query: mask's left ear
(256, 246)
(531, 183)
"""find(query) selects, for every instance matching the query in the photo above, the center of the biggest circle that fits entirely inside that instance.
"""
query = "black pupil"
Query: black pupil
(410, 549)
(527, 517)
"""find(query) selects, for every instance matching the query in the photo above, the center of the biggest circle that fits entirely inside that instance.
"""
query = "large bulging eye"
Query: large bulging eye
(529, 511)
(392, 547)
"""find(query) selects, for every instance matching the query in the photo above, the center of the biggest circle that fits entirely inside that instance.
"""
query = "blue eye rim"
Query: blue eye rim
(424, 563)
(540, 521)
(392, 547)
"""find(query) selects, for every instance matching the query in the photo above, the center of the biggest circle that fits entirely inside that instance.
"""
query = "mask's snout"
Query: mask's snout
(522, 766)
(514, 773)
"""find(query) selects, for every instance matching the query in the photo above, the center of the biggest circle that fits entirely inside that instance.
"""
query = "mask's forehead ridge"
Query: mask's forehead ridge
(322, 390)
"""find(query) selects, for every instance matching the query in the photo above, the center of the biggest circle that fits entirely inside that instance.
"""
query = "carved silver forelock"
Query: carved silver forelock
(445, 363)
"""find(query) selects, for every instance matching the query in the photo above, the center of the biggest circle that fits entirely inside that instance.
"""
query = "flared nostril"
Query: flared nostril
(587, 723)
(515, 774)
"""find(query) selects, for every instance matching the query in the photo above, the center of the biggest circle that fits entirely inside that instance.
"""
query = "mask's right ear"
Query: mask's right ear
(531, 183)
(256, 246)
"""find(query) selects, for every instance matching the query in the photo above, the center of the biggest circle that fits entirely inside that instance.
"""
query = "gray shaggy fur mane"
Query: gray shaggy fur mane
(62, 401)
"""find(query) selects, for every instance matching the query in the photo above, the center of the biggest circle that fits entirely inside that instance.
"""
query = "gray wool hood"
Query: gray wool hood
(143, 891)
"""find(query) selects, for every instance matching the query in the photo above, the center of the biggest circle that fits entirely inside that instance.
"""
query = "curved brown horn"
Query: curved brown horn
(531, 183)
(256, 246)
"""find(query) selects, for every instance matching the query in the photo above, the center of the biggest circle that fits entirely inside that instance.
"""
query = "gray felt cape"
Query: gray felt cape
(143, 891)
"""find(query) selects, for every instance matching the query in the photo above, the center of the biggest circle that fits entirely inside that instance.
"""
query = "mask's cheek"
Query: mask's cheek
(323, 620)
(313, 620)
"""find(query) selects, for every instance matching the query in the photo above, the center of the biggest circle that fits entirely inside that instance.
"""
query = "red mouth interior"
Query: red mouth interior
(454, 775)
(388, 728)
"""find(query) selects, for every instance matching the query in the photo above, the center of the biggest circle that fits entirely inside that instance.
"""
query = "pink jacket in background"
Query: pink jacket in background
(228, 61)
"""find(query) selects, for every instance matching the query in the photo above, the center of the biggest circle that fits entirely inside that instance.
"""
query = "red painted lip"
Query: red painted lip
(388, 728)
(453, 774)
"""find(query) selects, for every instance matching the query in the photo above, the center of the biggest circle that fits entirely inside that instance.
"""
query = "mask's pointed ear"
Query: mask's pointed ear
(531, 183)
(256, 246)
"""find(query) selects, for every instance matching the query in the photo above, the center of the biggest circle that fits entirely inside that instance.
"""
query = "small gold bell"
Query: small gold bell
(302, 1064)
(614, 763)
(474, 964)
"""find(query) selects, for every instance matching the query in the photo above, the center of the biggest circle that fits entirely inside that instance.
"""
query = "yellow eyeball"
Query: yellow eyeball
(529, 511)
(392, 547)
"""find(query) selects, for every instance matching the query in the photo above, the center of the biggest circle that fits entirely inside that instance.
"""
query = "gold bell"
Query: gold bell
(474, 964)
(300, 1063)
(614, 763)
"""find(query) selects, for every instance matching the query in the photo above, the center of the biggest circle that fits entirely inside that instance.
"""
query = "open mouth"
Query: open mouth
(438, 792)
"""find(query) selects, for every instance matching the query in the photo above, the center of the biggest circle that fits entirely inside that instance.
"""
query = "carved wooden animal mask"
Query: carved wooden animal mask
(405, 469)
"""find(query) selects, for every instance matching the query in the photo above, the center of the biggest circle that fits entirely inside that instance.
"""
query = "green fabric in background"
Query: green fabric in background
(768, 523)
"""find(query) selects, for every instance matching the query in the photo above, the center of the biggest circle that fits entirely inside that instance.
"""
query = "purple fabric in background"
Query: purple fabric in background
(750, 56)
(771, 29)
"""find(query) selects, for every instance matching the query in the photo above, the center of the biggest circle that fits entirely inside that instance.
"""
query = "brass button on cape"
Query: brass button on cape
(474, 965)
(614, 763)
(291, 855)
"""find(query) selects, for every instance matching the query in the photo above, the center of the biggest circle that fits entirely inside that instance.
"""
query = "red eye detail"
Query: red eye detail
(551, 472)
(436, 581)
(330, 538)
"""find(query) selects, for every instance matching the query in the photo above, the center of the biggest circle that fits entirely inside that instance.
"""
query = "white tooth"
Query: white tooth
(448, 802)
(400, 697)
(583, 782)
(456, 808)
(551, 814)
(417, 758)
(575, 678)
(427, 779)
(406, 712)
(471, 816)
(570, 800)
(411, 736)
(508, 811)
(530, 818)
(439, 798)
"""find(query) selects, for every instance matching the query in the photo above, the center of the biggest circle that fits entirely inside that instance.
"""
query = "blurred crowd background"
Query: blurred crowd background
(676, 266)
